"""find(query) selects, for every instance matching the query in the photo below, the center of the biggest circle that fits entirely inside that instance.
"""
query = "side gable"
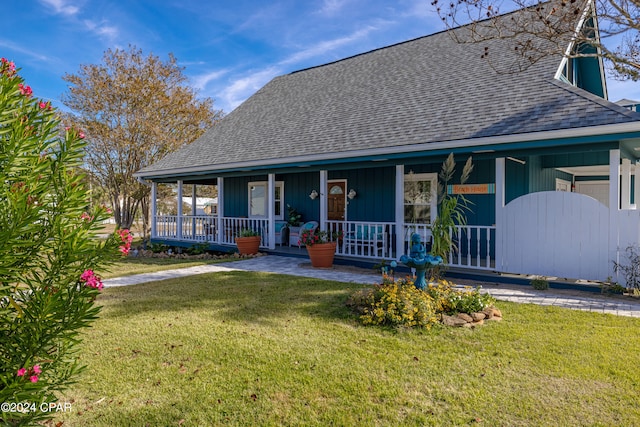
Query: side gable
(585, 70)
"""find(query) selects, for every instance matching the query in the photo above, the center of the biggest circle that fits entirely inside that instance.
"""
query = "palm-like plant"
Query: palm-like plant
(452, 210)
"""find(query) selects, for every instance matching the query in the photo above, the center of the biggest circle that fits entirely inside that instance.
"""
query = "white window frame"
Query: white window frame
(265, 184)
(433, 202)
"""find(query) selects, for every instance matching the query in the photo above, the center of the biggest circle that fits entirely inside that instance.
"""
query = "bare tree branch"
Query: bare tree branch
(537, 30)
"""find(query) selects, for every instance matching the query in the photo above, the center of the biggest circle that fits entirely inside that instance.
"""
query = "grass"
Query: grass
(242, 348)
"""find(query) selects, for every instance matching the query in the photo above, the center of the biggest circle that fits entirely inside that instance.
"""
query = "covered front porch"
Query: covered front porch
(536, 212)
(372, 229)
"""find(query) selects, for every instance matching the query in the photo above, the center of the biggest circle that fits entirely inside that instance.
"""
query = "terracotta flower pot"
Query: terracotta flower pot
(322, 254)
(248, 245)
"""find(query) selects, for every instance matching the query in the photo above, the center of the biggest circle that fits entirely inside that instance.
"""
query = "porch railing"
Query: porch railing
(364, 239)
(210, 229)
(476, 247)
(360, 239)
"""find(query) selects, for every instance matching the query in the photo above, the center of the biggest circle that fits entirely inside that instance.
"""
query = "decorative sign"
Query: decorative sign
(471, 189)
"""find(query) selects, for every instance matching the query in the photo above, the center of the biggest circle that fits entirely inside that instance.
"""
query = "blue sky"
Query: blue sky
(229, 48)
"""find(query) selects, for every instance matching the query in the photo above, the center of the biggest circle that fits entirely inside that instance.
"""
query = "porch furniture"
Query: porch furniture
(209, 229)
(282, 233)
(371, 240)
(296, 232)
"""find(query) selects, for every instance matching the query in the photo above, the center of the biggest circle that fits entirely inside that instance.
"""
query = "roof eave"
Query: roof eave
(470, 143)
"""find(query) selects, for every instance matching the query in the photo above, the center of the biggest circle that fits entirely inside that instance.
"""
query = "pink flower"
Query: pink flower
(91, 279)
(21, 371)
(25, 90)
(86, 275)
(33, 378)
(81, 135)
(86, 217)
(36, 369)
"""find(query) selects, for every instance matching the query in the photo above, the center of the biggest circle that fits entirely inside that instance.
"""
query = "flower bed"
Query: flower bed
(398, 303)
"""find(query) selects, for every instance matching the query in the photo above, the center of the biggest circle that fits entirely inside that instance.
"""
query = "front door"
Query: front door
(336, 200)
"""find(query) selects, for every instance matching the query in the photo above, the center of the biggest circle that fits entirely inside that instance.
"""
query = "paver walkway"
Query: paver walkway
(577, 300)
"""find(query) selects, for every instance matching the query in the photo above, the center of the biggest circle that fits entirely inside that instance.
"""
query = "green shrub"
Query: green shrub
(399, 303)
(49, 251)
(157, 248)
(248, 232)
(540, 284)
(197, 249)
(469, 300)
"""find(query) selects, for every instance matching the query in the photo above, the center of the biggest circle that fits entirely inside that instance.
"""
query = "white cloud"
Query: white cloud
(327, 46)
(242, 88)
(201, 81)
(22, 50)
(331, 7)
(62, 7)
(101, 29)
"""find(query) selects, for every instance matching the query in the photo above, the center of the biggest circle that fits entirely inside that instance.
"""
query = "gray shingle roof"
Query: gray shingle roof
(426, 90)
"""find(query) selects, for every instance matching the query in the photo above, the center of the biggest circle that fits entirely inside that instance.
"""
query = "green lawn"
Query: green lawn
(254, 349)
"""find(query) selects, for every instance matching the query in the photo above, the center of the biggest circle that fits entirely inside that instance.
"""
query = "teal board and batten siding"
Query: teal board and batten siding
(297, 187)
(531, 177)
(375, 188)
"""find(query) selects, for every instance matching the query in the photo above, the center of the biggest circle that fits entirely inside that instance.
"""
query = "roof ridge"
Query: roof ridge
(501, 16)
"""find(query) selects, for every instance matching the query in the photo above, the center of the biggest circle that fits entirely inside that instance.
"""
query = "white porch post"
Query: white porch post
(179, 219)
(625, 184)
(271, 223)
(614, 179)
(194, 211)
(614, 203)
(220, 225)
(154, 208)
(399, 211)
(194, 208)
(324, 178)
(499, 212)
(636, 188)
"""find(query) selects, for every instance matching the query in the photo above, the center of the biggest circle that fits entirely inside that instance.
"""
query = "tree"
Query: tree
(547, 28)
(134, 110)
(49, 250)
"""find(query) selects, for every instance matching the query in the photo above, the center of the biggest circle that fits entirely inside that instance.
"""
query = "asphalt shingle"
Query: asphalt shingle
(426, 90)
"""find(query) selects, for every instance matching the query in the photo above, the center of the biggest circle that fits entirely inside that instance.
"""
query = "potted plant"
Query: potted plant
(248, 242)
(321, 246)
(294, 218)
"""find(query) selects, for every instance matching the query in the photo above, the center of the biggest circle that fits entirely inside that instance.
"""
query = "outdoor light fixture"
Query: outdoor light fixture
(313, 195)
(351, 194)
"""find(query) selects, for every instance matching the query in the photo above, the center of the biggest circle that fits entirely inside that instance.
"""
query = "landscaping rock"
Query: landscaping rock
(465, 317)
(453, 321)
(478, 316)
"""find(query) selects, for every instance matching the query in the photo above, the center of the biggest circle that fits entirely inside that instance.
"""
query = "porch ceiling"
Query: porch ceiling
(599, 170)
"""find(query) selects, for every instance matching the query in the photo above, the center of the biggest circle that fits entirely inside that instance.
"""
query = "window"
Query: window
(420, 197)
(259, 197)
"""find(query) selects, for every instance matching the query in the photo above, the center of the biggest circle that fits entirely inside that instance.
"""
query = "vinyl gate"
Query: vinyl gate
(561, 234)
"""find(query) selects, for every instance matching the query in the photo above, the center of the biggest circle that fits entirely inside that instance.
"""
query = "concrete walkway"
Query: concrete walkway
(577, 300)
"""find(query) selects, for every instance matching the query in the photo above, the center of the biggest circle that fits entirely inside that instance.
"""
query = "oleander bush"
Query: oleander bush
(49, 252)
